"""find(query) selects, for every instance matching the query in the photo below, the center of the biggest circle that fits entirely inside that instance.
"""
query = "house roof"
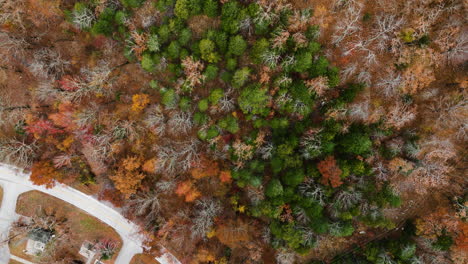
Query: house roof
(40, 234)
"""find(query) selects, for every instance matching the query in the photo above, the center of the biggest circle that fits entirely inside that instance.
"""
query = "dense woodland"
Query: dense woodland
(249, 131)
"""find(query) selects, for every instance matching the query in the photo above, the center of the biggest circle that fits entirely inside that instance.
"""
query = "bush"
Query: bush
(185, 36)
(210, 8)
(200, 118)
(181, 9)
(215, 96)
(237, 45)
(132, 3)
(203, 105)
(293, 177)
(355, 142)
(147, 62)
(207, 50)
(185, 103)
(253, 100)
(169, 98)
(230, 16)
(258, 49)
(173, 51)
(211, 72)
(231, 64)
(230, 124)
(153, 43)
(164, 32)
(240, 77)
(274, 188)
(303, 61)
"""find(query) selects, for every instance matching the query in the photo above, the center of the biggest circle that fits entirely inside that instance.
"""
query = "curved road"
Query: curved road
(14, 182)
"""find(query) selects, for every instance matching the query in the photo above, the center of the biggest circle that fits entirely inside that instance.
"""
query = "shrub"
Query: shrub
(207, 50)
(147, 62)
(215, 96)
(203, 105)
(274, 188)
(164, 33)
(259, 49)
(104, 25)
(210, 8)
(211, 72)
(355, 142)
(240, 77)
(293, 177)
(303, 61)
(132, 3)
(153, 43)
(181, 9)
(185, 36)
(173, 50)
(169, 98)
(185, 103)
(253, 100)
(230, 14)
(231, 64)
(200, 118)
(237, 45)
(230, 124)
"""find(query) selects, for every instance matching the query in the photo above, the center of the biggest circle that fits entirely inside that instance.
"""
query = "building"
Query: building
(88, 250)
(37, 240)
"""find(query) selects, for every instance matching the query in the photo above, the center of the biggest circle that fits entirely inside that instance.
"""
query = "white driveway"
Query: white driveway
(15, 182)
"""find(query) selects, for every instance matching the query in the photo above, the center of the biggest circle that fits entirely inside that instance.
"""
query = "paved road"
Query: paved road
(15, 182)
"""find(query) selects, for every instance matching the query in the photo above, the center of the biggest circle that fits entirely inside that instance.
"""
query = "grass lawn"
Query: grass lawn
(143, 259)
(82, 226)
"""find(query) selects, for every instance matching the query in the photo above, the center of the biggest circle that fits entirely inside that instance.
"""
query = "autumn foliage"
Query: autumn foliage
(44, 173)
(140, 101)
(205, 168)
(330, 172)
(127, 179)
(188, 190)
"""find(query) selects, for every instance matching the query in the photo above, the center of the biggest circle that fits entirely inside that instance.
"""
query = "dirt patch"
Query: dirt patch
(200, 24)
(143, 259)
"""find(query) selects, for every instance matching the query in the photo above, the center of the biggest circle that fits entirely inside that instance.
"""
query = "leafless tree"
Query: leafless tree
(284, 256)
(11, 46)
(205, 210)
(349, 23)
(390, 84)
(45, 92)
(48, 64)
(11, 11)
(346, 199)
(92, 82)
(309, 188)
(17, 152)
(126, 129)
(155, 120)
(83, 19)
(180, 123)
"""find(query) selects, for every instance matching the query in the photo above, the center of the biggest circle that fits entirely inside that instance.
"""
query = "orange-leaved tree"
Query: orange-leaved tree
(187, 190)
(44, 173)
(330, 172)
(127, 179)
(140, 101)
